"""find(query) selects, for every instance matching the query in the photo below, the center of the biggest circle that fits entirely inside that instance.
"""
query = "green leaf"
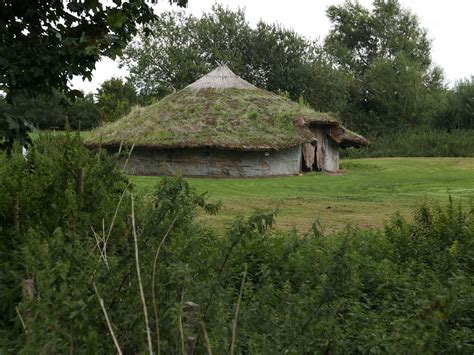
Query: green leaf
(116, 19)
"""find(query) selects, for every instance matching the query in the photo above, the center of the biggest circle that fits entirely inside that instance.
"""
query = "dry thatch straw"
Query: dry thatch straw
(220, 78)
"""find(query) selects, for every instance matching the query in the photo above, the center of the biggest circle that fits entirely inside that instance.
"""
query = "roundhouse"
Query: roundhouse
(221, 125)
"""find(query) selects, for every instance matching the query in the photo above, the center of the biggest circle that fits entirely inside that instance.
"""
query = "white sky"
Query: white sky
(449, 23)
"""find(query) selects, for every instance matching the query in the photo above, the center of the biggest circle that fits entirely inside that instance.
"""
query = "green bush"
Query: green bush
(419, 142)
(49, 204)
(408, 288)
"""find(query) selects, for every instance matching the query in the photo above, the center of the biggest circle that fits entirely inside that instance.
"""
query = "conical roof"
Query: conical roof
(219, 110)
(220, 78)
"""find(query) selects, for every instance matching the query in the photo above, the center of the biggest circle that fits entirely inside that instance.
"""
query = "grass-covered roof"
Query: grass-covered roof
(219, 110)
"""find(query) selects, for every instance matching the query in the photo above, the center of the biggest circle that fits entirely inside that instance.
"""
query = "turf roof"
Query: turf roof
(227, 118)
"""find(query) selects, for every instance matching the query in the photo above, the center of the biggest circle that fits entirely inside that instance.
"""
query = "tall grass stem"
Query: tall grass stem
(140, 284)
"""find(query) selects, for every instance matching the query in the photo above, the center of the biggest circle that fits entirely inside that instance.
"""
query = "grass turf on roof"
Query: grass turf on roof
(231, 118)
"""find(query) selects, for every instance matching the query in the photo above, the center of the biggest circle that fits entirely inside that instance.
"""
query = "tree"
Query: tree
(115, 98)
(45, 43)
(182, 48)
(41, 112)
(44, 112)
(359, 36)
(388, 55)
(83, 114)
(458, 112)
(280, 59)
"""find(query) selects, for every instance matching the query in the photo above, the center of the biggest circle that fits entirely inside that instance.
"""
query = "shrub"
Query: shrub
(49, 204)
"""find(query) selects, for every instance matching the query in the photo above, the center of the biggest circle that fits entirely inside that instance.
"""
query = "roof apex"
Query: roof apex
(220, 78)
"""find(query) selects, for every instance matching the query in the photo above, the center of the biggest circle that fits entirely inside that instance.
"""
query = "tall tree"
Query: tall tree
(44, 43)
(458, 111)
(115, 98)
(168, 59)
(360, 36)
(83, 114)
(182, 48)
(388, 54)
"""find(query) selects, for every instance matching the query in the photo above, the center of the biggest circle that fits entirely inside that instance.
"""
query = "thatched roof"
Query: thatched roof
(219, 110)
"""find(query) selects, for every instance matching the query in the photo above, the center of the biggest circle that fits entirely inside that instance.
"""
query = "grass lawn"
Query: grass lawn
(366, 194)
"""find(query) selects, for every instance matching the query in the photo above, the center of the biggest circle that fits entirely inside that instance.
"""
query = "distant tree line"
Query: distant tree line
(374, 70)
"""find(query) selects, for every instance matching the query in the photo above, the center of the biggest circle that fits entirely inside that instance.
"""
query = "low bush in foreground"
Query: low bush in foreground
(74, 253)
(418, 143)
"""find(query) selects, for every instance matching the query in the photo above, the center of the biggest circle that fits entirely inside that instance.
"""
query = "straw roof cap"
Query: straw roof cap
(220, 78)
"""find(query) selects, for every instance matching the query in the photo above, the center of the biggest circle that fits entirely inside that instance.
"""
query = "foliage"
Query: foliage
(82, 114)
(420, 142)
(67, 38)
(40, 112)
(171, 54)
(407, 287)
(50, 113)
(458, 112)
(231, 118)
(49, 203)
(397, 94)
(182, 48)
(360, 36)
(115, 99)
(389, 57)
(53, 210)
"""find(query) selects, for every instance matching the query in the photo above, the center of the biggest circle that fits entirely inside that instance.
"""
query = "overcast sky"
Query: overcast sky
(449, 23)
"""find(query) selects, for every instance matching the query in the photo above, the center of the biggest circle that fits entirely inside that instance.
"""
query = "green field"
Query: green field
(365, 194)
